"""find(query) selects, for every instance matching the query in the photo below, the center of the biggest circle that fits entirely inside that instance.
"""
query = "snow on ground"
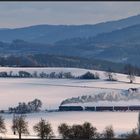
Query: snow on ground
(122, 122)
(74, 71)
(13, 91)
(53, 91)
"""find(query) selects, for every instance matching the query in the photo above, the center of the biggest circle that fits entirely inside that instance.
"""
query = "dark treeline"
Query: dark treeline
(129, 70)
(35, 74)
(60, 75)
(89, 75)
(43, 130)
(45, 60)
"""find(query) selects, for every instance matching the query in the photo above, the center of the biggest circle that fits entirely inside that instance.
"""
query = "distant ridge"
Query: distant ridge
(51, 33)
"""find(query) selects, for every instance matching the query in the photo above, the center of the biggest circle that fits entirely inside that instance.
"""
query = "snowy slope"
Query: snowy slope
(53, 91)
(74, 71)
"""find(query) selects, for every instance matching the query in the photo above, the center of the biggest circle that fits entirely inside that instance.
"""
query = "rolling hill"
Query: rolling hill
(45, 60)
(51, 33)
(115, 41)
(121, 45)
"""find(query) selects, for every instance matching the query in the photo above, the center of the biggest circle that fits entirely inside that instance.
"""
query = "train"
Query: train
(71, 108)
(100, 108)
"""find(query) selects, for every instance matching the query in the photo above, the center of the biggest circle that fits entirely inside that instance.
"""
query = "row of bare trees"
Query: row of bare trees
(84, 131)
(44, 130)
(19, 126)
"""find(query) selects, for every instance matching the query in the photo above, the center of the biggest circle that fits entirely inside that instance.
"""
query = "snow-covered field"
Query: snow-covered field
(53, 91)
(122, 122)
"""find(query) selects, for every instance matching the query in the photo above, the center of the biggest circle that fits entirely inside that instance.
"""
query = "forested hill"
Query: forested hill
(51, 33)
(45, 60)
(121, 45)
(105, 43)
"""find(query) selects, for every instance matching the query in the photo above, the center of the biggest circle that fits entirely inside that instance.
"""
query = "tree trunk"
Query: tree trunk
(20, 136)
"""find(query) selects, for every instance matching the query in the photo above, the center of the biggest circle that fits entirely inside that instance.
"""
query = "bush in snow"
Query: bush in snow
(89, 75)
(24, 74)
(32, 106)
(3, 74)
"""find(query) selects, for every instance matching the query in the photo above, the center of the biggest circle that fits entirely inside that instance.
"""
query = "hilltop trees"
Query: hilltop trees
(43, 130)
(89, 75)
(20, 125)
(3, 74)
(24, 74)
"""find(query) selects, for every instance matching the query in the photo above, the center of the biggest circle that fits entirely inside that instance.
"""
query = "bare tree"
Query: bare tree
(20, 125)
(130, 71)
(76, 132)
(35, 75)
(64, 130)
(131, 77)
(108, 132)
(43, 130)
(84, 131)
(35, 105)
(110, 75)
(2, 125)
(89, 132)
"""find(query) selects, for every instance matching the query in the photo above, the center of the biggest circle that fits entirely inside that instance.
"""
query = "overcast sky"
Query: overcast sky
(20, 14)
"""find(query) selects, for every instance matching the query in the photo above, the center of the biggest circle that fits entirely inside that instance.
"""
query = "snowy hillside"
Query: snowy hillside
(74, 71)
(53, 91)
